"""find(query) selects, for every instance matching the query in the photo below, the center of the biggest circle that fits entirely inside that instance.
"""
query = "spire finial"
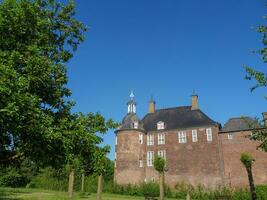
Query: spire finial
(132, 95)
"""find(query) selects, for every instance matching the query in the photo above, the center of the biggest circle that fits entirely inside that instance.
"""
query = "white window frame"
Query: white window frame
(116, 140)
(135, 125)
(162, 153)
(161, 138)
(115, 155)
(150, 158)
(182, 136)
(194, 135)
(141, 138)
(141, 164)
(150, 139)
(230, 136)
(160, 125)
(209, 134)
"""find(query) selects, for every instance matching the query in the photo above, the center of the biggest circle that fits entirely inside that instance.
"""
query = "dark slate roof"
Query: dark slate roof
(240, 124)
(177, 118)
(128, 120)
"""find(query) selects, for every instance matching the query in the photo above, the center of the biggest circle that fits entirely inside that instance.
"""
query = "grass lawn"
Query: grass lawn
(37, 194)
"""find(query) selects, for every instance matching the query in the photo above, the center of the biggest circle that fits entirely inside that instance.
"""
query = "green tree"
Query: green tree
(37, 39)
(100, 167)
(159, 165)
(79, 142)
(260, 79)
(247, 161)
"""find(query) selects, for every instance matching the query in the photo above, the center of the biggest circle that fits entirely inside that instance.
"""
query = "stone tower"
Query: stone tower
(129, 151)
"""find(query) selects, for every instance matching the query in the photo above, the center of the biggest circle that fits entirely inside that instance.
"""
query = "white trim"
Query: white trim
(150, 139)
(150, 158)
(194, 135)
(161, 138)
(182, 136)
(209, 134)
(160, 125)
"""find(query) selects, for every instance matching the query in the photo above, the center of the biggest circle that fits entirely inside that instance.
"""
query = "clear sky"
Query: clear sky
(168, 49)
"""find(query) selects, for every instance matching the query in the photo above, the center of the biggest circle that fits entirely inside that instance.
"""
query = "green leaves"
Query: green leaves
(247, 160)
(159, 164)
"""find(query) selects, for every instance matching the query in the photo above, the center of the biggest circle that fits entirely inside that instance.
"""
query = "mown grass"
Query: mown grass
(37, 194)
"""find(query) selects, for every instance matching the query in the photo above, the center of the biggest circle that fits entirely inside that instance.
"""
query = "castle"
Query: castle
(197, 149)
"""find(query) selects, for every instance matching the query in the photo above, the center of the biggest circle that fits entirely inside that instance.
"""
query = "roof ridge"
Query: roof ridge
(171, 108)
(242, 117)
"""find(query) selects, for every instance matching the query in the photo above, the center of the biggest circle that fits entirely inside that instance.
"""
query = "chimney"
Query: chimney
(151, 106)
(194, 102)
(264, 114)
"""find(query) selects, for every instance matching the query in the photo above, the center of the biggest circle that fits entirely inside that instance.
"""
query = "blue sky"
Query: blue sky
(167, 49)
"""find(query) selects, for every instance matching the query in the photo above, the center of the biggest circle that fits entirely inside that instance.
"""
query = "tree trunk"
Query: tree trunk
(251, 183)
(161, 185)
(99, 188)
(71, 182)
(82, 187)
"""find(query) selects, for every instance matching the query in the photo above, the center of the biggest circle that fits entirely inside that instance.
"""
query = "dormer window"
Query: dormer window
(160, 125)
(135, 125)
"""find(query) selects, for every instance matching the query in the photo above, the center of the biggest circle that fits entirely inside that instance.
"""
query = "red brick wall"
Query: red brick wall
(129, 151)
(234, 172)
(192, 162)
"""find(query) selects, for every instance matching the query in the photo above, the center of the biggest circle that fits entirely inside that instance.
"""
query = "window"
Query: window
(140, 163)
(150, 158)
(162, 154)
(141, 138)
(161, 138)
(230, 136)
(182, 136)
(209, 134)
(150, 140)
(160, 125)
(135, 125)
(116, 140)
(194, 135)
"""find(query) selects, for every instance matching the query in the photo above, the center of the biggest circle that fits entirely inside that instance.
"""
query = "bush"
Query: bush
(48, 179)
(10, 177)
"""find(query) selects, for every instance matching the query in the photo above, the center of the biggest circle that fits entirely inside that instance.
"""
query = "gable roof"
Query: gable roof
(177, 118)
(239, 124)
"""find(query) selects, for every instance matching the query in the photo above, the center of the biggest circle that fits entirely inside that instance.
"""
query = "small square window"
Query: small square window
(161, 138)
(141, 163)
(230, 136)
(135, 125)
(141, 138)
(160, 125)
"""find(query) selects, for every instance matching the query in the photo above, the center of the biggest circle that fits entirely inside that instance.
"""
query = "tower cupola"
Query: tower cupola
(131, 104)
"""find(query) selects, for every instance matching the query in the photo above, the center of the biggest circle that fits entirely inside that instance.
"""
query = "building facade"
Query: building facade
(197, 149)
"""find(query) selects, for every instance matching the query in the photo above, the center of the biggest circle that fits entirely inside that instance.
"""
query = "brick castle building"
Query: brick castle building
(196, 148)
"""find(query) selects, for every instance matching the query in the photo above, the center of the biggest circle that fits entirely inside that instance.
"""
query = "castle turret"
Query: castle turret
(129, 155)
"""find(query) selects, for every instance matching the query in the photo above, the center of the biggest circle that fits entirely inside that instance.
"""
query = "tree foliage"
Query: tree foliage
(253, 74)
(38, 38)
(260, 77)
(159, 164)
